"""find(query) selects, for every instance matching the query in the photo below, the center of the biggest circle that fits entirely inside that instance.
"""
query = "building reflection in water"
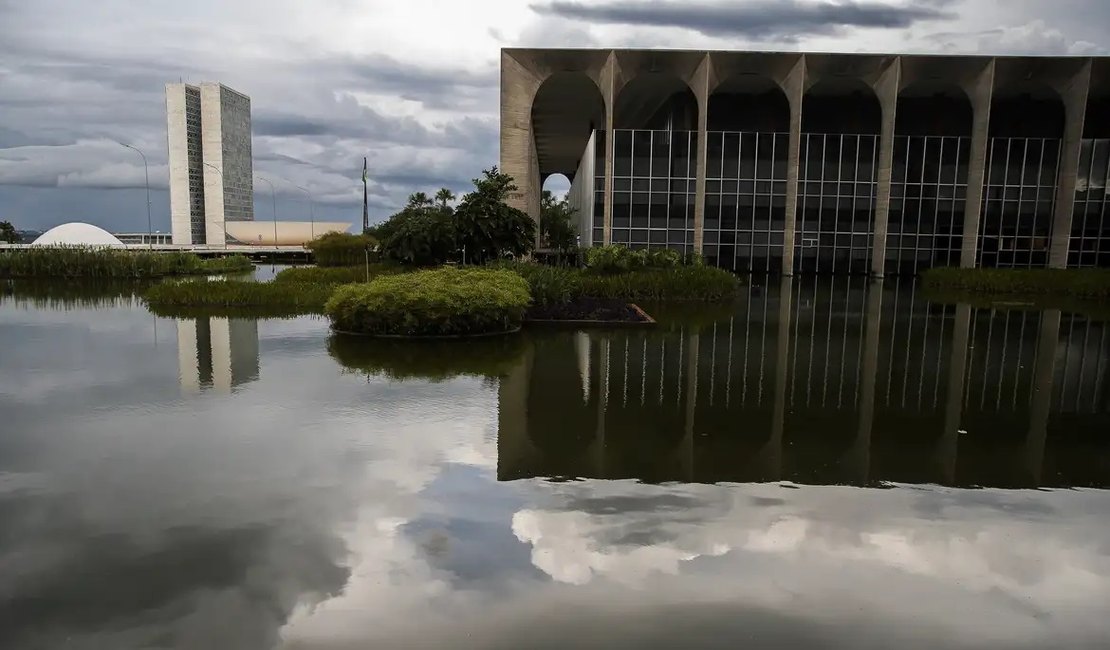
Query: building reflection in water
(216, 353)
(831, 381)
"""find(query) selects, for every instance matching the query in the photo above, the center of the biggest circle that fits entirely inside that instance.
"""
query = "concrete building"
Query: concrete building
(801, 162)
(211, 179)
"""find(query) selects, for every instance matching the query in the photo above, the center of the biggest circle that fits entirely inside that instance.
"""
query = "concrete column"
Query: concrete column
(609, 73)
(794, 87)
(980, 94)
(957, 367)
(887, 90)
(701, 92)
(1075, 110)
(518, 88)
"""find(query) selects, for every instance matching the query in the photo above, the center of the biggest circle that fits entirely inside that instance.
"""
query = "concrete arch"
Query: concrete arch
(748, 102)
(930, 107)
(566, 109)
(656, 100)
(1027, 108)
(842, 105)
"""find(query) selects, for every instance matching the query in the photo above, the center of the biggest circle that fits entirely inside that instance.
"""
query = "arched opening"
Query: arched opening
(1019, 192)
(837, 177)
(928, 189)
(654, 163)
(556, 189)
(568, 124)
(1090, 228)
(746, 166)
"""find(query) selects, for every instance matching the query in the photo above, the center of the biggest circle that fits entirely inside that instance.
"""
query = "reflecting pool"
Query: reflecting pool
(830, 464)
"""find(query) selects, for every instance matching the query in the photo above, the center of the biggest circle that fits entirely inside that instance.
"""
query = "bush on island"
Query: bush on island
(436, 302)
(333, 274)
(342, 249)
(554, 285)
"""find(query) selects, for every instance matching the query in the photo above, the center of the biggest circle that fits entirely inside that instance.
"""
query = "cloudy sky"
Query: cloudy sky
(411, 85)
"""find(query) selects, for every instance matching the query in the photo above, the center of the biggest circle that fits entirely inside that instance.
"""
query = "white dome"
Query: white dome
(77, 234)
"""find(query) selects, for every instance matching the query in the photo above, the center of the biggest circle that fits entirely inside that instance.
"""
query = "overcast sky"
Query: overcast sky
(412, 85)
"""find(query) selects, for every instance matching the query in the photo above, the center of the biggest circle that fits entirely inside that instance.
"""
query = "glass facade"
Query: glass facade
(836, 203)
(654, 173)
(1090, 241)
(1019, 196)
(196, 172)
(928, 189)
(745, 200)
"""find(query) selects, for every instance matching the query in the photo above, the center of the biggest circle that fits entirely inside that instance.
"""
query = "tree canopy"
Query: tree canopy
(8, 233)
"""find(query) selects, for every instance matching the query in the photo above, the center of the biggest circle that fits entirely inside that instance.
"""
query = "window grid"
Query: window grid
(928, 191)
(1090, 242)
(1019, 196)
(599, 190)
(745, 199)
(654, 178)
(836, 202)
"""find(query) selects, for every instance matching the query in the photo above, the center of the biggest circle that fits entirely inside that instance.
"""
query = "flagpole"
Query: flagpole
(365, 214)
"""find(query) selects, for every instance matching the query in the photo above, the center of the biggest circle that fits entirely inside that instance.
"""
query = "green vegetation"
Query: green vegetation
(342, 249)
(224, 297)
(82, 262)
(1080, 283)
(439, 302)
(334, 274)
(432, 360)
(556, 223)
(74, 293)
(552, 285)
(482, 228)
(8, 235)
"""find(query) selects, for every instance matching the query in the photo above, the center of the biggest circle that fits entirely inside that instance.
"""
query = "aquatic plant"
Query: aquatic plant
(86, 262)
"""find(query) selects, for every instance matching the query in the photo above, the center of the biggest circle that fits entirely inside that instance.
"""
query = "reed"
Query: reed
(225, 297)
(109, 263)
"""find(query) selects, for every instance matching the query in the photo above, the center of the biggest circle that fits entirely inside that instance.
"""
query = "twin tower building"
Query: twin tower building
(211, 182)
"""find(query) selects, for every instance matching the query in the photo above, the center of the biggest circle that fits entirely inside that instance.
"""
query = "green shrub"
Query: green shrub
(420, 237)
(616, 258)
(609, 259)
(437, 302)
(341, 249)
(227, 296)
(431, 360)
(333, 274)
(1087, 283)
(114, 263)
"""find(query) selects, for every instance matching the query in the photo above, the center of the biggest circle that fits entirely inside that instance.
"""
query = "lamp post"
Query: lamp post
(223, 226)
(273, 197)
(146, 177)
(311, 213)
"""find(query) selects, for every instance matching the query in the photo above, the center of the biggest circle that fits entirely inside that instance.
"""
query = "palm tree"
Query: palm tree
(444, 196)
(420, 200)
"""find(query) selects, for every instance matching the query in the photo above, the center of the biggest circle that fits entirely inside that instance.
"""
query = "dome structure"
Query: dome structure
(77, 234)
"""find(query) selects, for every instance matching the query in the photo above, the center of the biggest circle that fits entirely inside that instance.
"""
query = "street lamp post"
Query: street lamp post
(146, 177)
(223, 224)
(311, 213)
(273, 197)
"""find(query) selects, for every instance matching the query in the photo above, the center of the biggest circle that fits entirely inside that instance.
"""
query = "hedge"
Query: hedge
(553, 285)
(225, 297)
(333, 274)
(438, 302)
(114, 263)
(1085, 283)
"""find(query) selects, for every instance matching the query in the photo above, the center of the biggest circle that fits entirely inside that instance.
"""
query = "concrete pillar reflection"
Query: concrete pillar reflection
(188, 371)
(794, 87)
(514, 446)
(598, 454)
(980, 94)
(861, 449)
(948, 449)
(1042, 392)
(1075, 109)
(693, 341)
(701, 92)
(772, 452)
(887, 90)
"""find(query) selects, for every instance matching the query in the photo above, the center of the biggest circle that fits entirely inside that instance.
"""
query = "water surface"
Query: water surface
(821, 465)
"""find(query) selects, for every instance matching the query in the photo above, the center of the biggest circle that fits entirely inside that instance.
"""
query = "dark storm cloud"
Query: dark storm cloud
(760, 19)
